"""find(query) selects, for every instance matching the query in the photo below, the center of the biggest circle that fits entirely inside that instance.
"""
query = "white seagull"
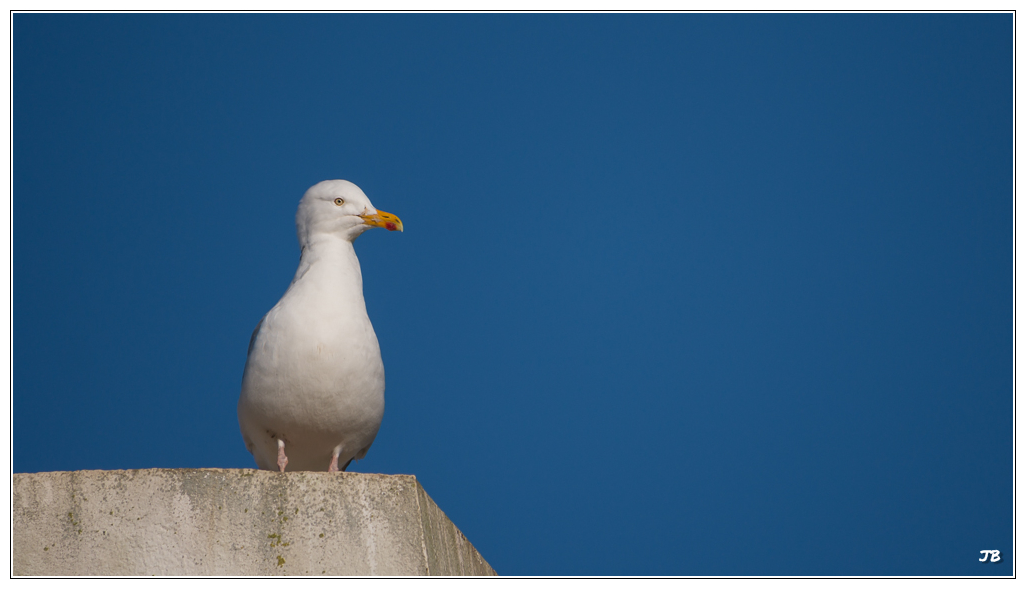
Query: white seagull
(313, 391)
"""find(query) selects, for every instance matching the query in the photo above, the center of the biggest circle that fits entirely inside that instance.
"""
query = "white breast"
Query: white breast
(314, 375)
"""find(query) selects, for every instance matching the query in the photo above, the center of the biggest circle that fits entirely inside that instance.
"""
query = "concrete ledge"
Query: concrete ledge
(233, 522)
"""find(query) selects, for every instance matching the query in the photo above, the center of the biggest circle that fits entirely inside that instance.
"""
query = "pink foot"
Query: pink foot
(333, 467)
(282, 459)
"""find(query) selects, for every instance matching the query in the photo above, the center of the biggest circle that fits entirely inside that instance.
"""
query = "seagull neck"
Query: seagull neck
(327, 257)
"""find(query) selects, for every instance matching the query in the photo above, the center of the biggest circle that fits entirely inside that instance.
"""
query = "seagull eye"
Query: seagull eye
(339, 201)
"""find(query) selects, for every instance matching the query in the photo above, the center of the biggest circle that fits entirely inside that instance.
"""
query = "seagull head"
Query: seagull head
(339, 207)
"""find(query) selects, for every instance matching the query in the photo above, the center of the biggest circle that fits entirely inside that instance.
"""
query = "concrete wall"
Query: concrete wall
(233, 522)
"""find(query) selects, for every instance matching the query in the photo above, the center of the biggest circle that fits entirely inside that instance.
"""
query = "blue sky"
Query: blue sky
(693, 294)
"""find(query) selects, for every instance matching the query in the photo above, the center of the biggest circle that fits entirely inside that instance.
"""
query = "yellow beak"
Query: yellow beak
(383, 219)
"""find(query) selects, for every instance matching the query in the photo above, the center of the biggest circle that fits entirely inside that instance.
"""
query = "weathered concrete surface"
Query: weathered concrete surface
(233, 522)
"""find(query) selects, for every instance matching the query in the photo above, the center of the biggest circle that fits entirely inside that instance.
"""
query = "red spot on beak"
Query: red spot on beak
(390, 226)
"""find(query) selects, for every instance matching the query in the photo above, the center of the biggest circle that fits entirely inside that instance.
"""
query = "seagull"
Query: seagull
(313, 390)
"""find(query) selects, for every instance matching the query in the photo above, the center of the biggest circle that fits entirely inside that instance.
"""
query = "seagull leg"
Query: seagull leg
(333, 467)
(282, 459)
